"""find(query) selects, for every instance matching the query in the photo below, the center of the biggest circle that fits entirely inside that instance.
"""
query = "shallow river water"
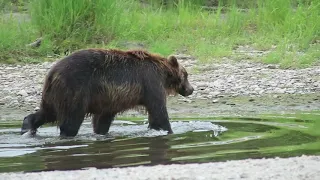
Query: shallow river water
(130, 143)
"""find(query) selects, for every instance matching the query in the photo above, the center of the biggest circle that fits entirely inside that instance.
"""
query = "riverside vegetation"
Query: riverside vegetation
(209, 30)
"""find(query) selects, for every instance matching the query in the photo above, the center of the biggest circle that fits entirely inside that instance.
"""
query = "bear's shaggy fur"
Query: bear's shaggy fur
(104, 82)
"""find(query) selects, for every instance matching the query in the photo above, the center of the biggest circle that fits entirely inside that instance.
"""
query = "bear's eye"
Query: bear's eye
(185, 74)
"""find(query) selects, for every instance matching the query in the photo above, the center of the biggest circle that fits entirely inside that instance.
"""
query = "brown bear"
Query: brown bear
(105, 82)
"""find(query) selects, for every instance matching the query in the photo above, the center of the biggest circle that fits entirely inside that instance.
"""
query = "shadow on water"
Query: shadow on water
(130, 143)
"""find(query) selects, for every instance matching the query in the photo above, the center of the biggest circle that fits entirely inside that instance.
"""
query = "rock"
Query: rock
(292, 91)
(231, 104)
(276, 96)
(206, 91)
(244, 176)
(218, 83)
(22, 93)
(202, 86)
(202, 98)
(235, 95)
(300, 84)
(13, 103)
(271, 66)
(215, 100)
(316, 84)
(9, 68)
(185, 100)
(6, 99)
(280, 91)
(214, 93)
(30, 99)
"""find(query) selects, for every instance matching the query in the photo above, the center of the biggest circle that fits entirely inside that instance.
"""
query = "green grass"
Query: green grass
(293, 27)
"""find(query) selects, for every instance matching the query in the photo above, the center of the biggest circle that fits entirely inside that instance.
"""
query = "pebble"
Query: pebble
(214, 93)
(22, 93)
(215, 100)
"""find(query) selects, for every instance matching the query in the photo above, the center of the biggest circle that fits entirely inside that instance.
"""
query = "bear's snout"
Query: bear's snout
(186, 90)
(189, 90)
(26, 126)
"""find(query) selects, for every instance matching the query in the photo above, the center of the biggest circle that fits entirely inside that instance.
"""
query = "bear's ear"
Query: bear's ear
(173, 61)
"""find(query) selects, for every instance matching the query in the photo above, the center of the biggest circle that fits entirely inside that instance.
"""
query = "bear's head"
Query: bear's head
(178, 80)
(27, 124)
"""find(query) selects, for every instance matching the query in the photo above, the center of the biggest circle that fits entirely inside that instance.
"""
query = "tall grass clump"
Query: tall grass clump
(15, 34)
(73, 23)
(293, 27)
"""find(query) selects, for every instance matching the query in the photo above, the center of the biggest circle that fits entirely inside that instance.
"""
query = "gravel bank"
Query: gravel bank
(20, 86)
(254, 79)
(297, 168)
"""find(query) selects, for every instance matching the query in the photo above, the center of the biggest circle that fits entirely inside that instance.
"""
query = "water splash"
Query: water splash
(178, 127)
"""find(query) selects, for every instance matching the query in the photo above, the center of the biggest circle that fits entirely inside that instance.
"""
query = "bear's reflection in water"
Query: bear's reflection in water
(107, 154)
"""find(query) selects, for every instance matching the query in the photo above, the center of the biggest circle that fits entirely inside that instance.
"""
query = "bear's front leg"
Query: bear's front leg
(156, 124)
(157, 112)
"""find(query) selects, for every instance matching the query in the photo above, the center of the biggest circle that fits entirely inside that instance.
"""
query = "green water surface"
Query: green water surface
(263, 136)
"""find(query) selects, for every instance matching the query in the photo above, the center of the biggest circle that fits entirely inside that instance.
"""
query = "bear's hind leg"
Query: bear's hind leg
(71, 123)
(102, 123)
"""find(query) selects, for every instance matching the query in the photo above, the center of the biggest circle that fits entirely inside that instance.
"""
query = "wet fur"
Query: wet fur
(104, 83)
